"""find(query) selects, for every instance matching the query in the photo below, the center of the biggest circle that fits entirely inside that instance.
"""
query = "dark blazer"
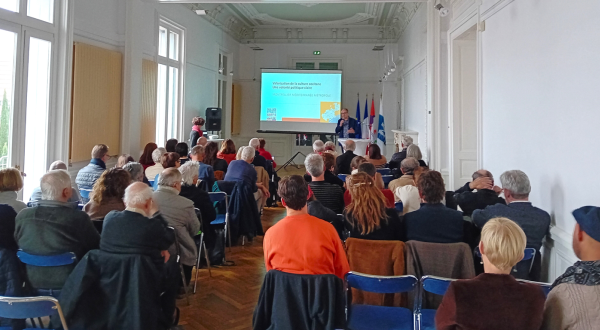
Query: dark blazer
(240, 170)
(434, 223)
(396, 159)
(342, 163)
(471, 201)
(339, 130)
(7, 227)
(390, 230)
(194, 136)
(317, 210)
(534, 221)
(491, 302)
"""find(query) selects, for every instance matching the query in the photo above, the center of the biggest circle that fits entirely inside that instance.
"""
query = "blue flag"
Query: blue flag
(381, 129)
(367, 132)
(358, 132)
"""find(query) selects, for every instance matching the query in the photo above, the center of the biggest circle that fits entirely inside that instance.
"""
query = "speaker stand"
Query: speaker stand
(291, 161)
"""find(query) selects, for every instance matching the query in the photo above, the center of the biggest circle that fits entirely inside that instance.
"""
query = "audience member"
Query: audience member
(415, 152)
(146, 158)
(573, 301)
(433, 222)
(10, 184)
(330, 149)
(408, 166)
(136, 171)
(36, 195)
(170, 145)
(258, 159)
(170, 159)
(54, 227)
(227, 151)
(7, 228)
(238, 155)
(179, 213)
(301, 243)
(242, 170)
(205, 172)
(398, 157)
(356, 162)
(494, 299)
(409, 194)
(124, 159)
(371, 171)
(330, 195)
(182, 149)
(87, 176)
(107, 194)
(534, 221)
(318, 147)
(196, 131)
(265, 153)
(202, 141)
(375, 157)
(211, 159)
(343, 161)
(470, 201)
(367, 216)
(152, 171)
(316, 209)
(329, 161)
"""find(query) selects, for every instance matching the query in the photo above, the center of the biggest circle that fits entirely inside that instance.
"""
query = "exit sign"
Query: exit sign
(316, 52)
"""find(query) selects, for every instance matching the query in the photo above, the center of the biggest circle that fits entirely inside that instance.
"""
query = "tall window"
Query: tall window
(170, 82)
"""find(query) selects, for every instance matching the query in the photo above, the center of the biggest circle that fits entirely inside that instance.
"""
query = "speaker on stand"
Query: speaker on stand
(213, 119)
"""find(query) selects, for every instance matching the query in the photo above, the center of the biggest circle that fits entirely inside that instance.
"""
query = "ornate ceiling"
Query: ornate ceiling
(312, 22)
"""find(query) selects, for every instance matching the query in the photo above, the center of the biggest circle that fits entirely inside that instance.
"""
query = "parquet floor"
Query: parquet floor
(227, 299)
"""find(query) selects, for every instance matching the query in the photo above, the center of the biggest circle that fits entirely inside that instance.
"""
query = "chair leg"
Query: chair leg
(243, 240)
(185, 285)
(200, 245)
(207, 260)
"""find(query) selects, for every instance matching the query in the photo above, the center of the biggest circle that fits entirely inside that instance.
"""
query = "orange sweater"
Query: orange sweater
(303, 244)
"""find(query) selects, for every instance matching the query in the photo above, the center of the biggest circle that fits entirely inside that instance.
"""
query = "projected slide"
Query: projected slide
(300, 101)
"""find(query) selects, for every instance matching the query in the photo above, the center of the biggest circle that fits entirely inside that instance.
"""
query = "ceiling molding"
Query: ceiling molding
(278, 1)
(356, 19)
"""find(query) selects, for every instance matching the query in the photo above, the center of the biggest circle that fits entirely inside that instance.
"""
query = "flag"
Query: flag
(365, 120)
(373, 132)
(381, 130)
(358, 133)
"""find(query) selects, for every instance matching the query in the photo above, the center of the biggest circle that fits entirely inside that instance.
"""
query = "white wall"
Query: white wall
(541, 105)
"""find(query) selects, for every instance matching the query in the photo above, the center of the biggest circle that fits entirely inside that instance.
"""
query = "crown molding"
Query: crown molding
(356, 19)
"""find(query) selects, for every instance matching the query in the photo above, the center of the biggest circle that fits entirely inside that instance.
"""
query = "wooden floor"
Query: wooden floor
(227, 299)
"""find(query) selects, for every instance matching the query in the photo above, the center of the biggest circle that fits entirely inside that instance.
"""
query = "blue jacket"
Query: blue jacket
(339, 130)
(207, 174)
(88, 175)
(434, 223)
(535, 222)
(240, 170)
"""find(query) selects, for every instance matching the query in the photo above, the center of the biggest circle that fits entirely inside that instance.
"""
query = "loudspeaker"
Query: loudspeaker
(213, 119)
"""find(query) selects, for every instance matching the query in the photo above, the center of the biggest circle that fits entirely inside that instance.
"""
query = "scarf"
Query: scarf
(197, 129)
(99, 162)
(582, 272)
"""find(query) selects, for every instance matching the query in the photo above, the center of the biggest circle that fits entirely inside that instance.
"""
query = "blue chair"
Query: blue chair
(384, 171)
(85, 193)
(47, 261)
(436, 285)
(342, 177)
(379, 317)
(387, 179)
(155, 183)
(399, 206)
(30, 307)
(528, 257)
(222, 219)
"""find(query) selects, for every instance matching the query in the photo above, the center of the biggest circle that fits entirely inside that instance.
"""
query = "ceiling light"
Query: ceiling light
(201, 12)
(443, 11)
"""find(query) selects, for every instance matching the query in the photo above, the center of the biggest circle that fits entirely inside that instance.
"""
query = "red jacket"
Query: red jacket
(227, 157)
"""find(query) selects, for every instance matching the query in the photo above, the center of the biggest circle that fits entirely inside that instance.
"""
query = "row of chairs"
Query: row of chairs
(398, 318)
(386, 178)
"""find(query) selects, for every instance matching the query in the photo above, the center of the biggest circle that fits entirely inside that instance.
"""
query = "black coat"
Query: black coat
(397, 158)
(434, 223)
(471, 201)
(11, 282)
(339, 130)
(207, 211)
(7, 227)
(342, 163)
(300, 302)
(243, 212)
(194, 136)
(317, 210)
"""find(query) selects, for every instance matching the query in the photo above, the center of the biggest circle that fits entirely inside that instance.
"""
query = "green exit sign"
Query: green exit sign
(316, 52)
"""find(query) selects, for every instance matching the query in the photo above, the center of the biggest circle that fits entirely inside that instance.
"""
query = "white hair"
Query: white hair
(254, 143)
(238, 154)
(350, 145)
(157, 154)
(169, 177)
(248, 153)
(53, 183)
(136, 171)
(318, 146)
(58, 165)
(516, 182)
(414, 151)
(189, 171)
(315, 166)
(135, 196)
(409, 164)
(407, 141)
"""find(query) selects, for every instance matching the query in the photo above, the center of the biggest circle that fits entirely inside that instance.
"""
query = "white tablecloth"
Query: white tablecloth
(361, 145)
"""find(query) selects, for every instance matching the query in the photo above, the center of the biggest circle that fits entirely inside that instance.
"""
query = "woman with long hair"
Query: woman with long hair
(375, 157)
(367, 216)
(196, 132)
(146, 157)
(414, 151)
(210, 158)
(227, 151)
(107, 194)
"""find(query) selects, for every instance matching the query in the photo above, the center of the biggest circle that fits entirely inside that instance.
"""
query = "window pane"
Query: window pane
(41, 9)
(224, 65)
(36, 113)
(328, 66)
(174, 46)
(7, 77)
(162, 42)
(172, 105)
(161, 105)
(305, 65)
(12, 5)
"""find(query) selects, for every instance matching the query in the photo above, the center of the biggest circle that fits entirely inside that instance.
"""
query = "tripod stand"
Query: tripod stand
(291, 161)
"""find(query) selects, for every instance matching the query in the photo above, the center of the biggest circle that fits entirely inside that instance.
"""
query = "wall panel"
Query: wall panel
(148, 109)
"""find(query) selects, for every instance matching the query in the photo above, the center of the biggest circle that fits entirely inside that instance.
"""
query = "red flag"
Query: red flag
(372, 114)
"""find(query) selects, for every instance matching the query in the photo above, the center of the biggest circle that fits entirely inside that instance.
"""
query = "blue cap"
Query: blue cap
(588, 218)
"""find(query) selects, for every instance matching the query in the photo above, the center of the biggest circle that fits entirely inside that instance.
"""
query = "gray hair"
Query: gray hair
(136, 171)
(197, 151)
(169, 177)
(318, 146)
(482, 174)
(53, 183)
(329, 145)
(407, 141)
(409, 164)
(58, 165)
(315, 166)
(248, 153)
(516, 182)
(137, 195)
(157, 154)
(254, 143)
(350, 145)
(238, 154)
(189, 171)
(414, 151)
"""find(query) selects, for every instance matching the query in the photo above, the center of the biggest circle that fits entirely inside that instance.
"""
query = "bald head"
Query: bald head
(350, 145)
(138, 195)
(57, 165)
(482, 174)
(202, 141)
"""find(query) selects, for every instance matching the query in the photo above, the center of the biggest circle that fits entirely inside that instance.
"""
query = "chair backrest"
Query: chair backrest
(85, 193)
(217, 196)
(30, 307)
(155, 182)
(381, 284)
(399, 206)
(387, 178)
(521, 269)
(435, 284)
(342, 177)
(226, 186)
(384, 171)
(47, 261)
(528, 254)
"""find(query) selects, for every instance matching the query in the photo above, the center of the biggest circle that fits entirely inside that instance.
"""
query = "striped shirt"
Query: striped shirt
(330, 195)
